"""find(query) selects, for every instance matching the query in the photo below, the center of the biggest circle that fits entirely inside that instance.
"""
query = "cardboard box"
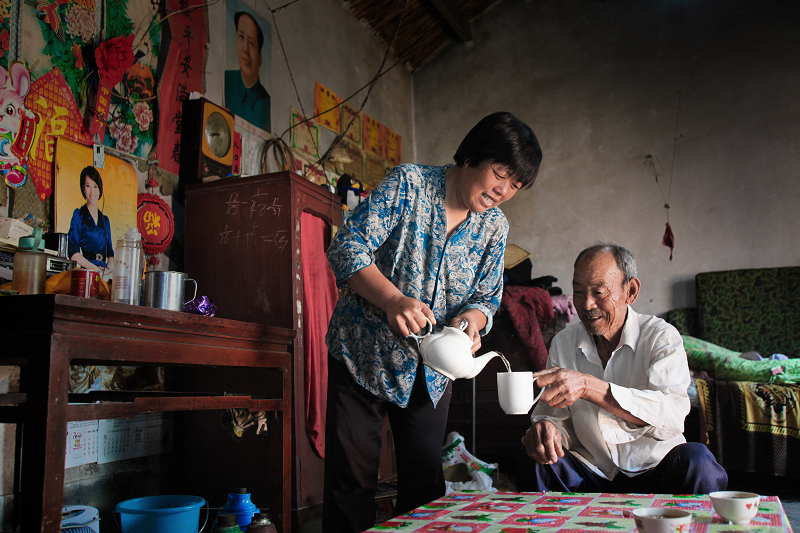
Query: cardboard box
(12, 228)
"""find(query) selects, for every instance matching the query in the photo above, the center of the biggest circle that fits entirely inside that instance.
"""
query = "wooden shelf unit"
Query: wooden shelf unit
(45, 334)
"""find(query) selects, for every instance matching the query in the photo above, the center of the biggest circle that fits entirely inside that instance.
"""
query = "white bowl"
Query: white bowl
(736, 507)
(662, 520)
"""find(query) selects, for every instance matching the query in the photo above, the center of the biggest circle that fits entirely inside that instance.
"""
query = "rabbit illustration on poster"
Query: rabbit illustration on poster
(17, 124)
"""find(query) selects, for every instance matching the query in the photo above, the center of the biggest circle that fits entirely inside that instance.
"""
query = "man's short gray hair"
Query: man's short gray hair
(625, 261)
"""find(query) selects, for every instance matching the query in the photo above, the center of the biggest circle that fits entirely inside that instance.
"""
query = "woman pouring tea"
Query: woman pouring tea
(426, 244)
(89, 230)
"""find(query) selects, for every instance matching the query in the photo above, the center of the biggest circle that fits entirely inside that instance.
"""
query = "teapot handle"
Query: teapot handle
(420, 337)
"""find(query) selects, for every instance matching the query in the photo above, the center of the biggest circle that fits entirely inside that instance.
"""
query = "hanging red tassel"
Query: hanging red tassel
(669, 240)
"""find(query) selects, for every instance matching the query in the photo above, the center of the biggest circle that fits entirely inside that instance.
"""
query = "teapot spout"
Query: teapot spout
(479, 362)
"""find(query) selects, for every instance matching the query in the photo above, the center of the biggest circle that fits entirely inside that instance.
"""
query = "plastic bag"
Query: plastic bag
(454, 451)
(479, 481)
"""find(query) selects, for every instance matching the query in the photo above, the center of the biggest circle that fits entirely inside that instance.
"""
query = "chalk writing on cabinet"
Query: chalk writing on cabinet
(258, 204)
(253, 206)
(279, 238)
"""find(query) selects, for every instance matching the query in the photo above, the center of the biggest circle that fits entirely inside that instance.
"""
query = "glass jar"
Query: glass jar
(30, 265)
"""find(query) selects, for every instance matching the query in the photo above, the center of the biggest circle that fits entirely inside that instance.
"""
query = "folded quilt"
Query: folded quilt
(726, 365)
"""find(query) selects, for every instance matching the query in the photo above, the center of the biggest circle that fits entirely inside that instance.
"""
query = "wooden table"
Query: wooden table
(45, 334)
(523, 512)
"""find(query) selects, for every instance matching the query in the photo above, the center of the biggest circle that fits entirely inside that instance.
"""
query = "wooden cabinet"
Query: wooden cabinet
(243, 247)
(45, 334)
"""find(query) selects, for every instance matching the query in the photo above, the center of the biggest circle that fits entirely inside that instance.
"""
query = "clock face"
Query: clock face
(218, 134)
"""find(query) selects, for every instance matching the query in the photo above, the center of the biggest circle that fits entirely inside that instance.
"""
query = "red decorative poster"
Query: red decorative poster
(372, 135)
(155, 222)
(236, 168)
(101, 111)
(350, 118)
(51, 99)
(326, 100)
(183, 73)
(391, 146)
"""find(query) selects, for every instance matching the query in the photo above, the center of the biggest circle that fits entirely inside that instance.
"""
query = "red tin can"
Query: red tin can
(85, 283)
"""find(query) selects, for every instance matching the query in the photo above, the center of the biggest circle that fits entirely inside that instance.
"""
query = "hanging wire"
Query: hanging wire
(178, 12)
(678, 117)
(307, 120)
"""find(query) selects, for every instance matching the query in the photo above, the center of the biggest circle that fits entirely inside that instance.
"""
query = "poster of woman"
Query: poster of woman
(94, 206)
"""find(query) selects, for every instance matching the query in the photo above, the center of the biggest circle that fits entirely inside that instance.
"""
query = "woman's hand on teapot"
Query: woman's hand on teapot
(407, 315)
(475, 322)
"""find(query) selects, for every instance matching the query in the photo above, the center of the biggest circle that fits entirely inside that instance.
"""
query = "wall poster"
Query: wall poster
(248, 49)
(372, 135)
(351, 118)
(327, 101)
(305, 135)
(116, 198)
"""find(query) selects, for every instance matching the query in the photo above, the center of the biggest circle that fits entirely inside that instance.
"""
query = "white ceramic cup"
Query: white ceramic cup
(515, 392)
(736, 507)
(662, 520)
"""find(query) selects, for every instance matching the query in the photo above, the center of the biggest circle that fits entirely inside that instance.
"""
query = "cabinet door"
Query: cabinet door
(239, 247)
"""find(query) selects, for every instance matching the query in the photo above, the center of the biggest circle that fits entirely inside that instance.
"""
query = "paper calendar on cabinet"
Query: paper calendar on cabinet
(147, 434)
(81, 443)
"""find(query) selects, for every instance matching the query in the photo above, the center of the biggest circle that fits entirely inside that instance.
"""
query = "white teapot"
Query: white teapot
(449, 352)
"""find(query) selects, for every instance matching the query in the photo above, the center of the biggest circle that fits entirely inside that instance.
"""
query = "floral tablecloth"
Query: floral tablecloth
(548, 512)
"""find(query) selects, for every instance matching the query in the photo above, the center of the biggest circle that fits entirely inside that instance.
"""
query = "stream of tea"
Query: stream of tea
(505, 361)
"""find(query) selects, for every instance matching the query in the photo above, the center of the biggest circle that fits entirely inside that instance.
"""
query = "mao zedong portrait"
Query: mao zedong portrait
(244, 94)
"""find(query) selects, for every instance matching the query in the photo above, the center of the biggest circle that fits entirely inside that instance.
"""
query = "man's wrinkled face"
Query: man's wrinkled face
(599, 294)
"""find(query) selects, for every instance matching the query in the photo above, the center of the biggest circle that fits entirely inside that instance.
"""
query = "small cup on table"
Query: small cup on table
(735, 507)
(662, 520)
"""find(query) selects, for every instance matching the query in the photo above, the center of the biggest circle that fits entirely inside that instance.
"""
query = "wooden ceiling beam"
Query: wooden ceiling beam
(454, 18)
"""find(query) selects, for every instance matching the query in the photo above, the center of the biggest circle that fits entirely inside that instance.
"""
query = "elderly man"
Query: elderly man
(244, 94)
(611, 417)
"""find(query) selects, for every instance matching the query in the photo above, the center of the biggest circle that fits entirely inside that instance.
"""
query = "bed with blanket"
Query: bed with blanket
(743, 345)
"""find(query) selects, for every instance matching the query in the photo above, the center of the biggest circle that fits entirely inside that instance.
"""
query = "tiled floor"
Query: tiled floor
(787, 489)
(792, 509)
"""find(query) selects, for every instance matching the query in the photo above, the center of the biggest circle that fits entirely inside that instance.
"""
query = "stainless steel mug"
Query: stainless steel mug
(165, 289)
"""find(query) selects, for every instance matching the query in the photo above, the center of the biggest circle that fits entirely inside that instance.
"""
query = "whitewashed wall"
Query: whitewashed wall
(598, 82)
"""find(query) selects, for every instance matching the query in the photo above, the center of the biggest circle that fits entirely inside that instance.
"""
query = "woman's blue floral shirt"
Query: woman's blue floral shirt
(402, 227)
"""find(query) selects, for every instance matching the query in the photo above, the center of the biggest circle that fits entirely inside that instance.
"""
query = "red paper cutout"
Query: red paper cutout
(155, 222)
(52, 99)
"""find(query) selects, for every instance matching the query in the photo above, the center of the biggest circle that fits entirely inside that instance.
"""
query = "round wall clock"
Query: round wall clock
(218, 134)
(206, 141)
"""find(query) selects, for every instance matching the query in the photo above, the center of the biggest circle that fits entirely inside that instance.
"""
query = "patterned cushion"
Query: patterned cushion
(684, 320)
(752, 309)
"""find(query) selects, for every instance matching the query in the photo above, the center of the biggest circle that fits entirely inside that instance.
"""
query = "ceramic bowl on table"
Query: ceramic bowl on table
(662, 520)
(736, 507)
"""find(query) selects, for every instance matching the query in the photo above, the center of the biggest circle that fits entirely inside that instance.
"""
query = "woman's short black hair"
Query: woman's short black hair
(91, 173)
(503, 138)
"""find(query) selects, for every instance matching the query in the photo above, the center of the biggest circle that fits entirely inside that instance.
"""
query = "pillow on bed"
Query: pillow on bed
(724, 364)
(702, 354)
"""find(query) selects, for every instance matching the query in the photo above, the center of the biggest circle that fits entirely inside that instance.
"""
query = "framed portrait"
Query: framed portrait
(94, 206)
(248, 49)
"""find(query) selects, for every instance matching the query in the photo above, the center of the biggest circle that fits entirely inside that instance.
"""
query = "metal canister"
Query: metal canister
(261, 524)
(85, 283)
